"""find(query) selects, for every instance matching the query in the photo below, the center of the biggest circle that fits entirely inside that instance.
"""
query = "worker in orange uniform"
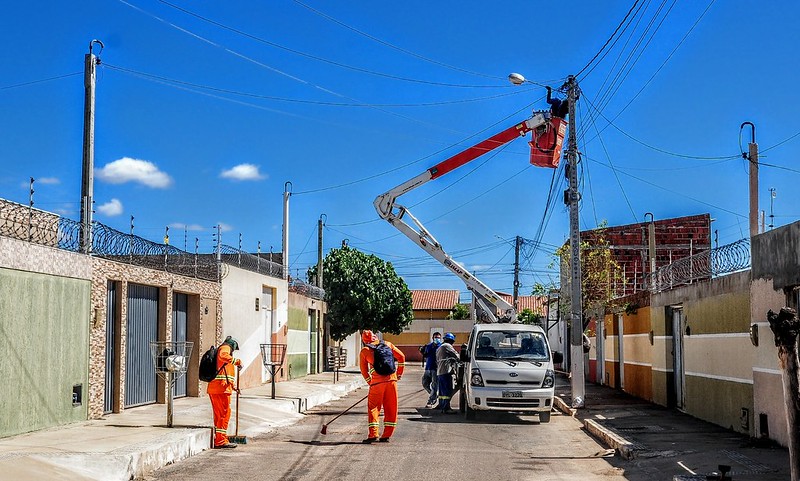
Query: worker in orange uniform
(220, 389)
(382, 365)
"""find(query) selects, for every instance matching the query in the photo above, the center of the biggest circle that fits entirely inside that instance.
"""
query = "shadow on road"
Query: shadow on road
(323, 443)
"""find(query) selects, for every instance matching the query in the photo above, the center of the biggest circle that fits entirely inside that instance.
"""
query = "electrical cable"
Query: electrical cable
(32, 82)
(607, 41)
(387, 44)
(322, 59)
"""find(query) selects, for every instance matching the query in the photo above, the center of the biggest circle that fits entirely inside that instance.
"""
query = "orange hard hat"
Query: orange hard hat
(368, 337)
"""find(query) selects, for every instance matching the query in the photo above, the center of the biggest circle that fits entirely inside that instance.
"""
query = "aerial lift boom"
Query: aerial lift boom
(548, 135)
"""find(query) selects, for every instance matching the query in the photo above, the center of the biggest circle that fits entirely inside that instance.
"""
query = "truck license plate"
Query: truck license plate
(512, 393)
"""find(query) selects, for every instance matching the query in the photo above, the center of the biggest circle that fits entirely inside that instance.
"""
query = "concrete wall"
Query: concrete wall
(241, 290)
(718, 355)
(776, 271)
(44, 331)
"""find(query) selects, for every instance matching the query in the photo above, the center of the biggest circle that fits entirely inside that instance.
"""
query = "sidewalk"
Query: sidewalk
(136, 442)
(668, 444)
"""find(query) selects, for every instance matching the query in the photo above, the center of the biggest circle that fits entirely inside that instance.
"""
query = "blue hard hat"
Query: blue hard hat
(449, 337)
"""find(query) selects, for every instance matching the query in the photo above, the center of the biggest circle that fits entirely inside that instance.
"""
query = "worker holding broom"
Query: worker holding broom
(382, 365)
(220, 389)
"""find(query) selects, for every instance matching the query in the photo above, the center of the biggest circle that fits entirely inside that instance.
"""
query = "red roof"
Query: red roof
(537, 304)
(437, 299)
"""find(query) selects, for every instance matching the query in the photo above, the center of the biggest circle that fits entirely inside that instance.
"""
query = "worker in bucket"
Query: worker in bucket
(220, 389)
(382, 365)
(446, 367)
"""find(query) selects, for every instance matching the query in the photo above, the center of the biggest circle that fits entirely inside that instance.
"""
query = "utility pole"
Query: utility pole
(752, 156)
(287, 192)
(572, 197)
(515, 299)
(320, 224)
(91, 62)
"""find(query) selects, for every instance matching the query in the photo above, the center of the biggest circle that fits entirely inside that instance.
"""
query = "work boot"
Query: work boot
(448, 411)
(383, 440)
(369, 440)
(225, 446)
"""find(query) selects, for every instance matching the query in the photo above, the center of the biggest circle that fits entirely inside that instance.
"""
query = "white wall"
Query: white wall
(240, 289)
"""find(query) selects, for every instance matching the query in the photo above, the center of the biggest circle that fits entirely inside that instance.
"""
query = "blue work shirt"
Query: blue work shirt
(429, 353)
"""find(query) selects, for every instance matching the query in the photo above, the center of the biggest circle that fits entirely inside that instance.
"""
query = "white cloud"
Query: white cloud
(110, 208)
(243, 172)
(48, 180)
(181, 225)
(127, 169)
(224, 227)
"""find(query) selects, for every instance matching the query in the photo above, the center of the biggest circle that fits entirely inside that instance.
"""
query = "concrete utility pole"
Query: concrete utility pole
(573, 198)
(752, 156)
(515, 300)
(91, 62)
(287, 192)
(320, 224)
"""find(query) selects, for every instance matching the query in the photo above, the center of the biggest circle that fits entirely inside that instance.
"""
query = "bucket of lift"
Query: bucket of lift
(546, 143)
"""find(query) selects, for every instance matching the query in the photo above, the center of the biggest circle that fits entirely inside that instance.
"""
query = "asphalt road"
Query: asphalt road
(426, 445)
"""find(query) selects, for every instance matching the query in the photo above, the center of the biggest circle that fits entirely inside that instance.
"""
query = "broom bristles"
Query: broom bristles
(237, 439)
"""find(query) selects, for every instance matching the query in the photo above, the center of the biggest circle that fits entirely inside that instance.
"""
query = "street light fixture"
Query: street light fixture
(516, 78)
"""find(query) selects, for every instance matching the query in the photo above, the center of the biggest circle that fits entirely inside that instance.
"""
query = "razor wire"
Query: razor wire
(704, 265)
(252, 262)
(305, 289)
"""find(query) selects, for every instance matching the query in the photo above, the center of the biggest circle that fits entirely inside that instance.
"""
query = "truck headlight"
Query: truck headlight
(475, 379)
(549, 379)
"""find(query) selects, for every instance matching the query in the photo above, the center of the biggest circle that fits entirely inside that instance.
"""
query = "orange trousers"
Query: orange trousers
(221, 405)
(382, 395)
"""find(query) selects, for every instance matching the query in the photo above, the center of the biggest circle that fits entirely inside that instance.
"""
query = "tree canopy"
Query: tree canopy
(459, 312)
(527, 316)
(363, 292)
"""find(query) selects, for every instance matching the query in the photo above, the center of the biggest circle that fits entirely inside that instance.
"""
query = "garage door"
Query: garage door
(142, 327)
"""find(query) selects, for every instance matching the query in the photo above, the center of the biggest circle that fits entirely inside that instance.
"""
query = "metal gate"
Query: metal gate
(140, 372)
(111, 310)
(180, 303)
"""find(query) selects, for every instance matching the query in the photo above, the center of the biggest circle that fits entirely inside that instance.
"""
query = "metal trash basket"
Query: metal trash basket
(171, 361)
(273, 355)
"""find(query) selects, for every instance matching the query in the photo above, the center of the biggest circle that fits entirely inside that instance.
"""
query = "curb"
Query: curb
(562, 406)
(612, 440)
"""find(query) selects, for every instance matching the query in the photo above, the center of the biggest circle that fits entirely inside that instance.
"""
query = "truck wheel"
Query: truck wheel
(469, 413)
(544, 417)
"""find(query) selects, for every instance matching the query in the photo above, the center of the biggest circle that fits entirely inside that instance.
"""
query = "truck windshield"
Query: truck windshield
(500, 345)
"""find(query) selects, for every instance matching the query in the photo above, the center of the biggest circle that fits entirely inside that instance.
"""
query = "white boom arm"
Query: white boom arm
(388, 209)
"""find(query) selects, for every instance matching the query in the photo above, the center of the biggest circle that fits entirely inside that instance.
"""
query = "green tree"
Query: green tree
(363, 292)
(527, 316)
(459, 312)
(599, 272)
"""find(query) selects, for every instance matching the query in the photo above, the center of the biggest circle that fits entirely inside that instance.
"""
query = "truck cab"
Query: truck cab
(507, 367)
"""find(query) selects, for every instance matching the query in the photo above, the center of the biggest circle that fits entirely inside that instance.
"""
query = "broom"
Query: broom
(236, 438)
(325, 426)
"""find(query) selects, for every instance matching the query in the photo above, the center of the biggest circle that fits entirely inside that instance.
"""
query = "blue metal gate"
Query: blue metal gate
(180, 303)
(140, 372)
(111, 315)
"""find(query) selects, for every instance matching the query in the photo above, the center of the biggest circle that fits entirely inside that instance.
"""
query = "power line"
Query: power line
(607, 41)
(32, 82)
(395, 47)
(322, 59)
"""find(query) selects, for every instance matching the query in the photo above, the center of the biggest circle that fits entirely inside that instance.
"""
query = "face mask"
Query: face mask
(437, 340)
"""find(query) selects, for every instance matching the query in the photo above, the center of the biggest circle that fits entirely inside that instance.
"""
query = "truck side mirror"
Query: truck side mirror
(558, 358)
(464, 354)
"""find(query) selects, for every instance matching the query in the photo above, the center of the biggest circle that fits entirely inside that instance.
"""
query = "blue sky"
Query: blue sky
(206, 109)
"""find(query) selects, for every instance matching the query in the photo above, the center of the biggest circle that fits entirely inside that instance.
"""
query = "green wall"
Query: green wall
(44, 333)
(299, 343)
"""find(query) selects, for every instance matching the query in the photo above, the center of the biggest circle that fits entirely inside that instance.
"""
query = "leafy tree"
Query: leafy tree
(598, 272)
(363, 292)
(527, 316)
(459, 312)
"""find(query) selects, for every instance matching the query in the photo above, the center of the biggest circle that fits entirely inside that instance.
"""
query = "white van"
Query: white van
(507, 367)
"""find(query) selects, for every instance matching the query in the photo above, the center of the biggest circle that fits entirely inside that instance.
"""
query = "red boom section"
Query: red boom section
(477, 150)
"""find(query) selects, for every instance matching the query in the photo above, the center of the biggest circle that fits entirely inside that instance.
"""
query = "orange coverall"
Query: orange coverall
(382, 391)
(219, 390)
